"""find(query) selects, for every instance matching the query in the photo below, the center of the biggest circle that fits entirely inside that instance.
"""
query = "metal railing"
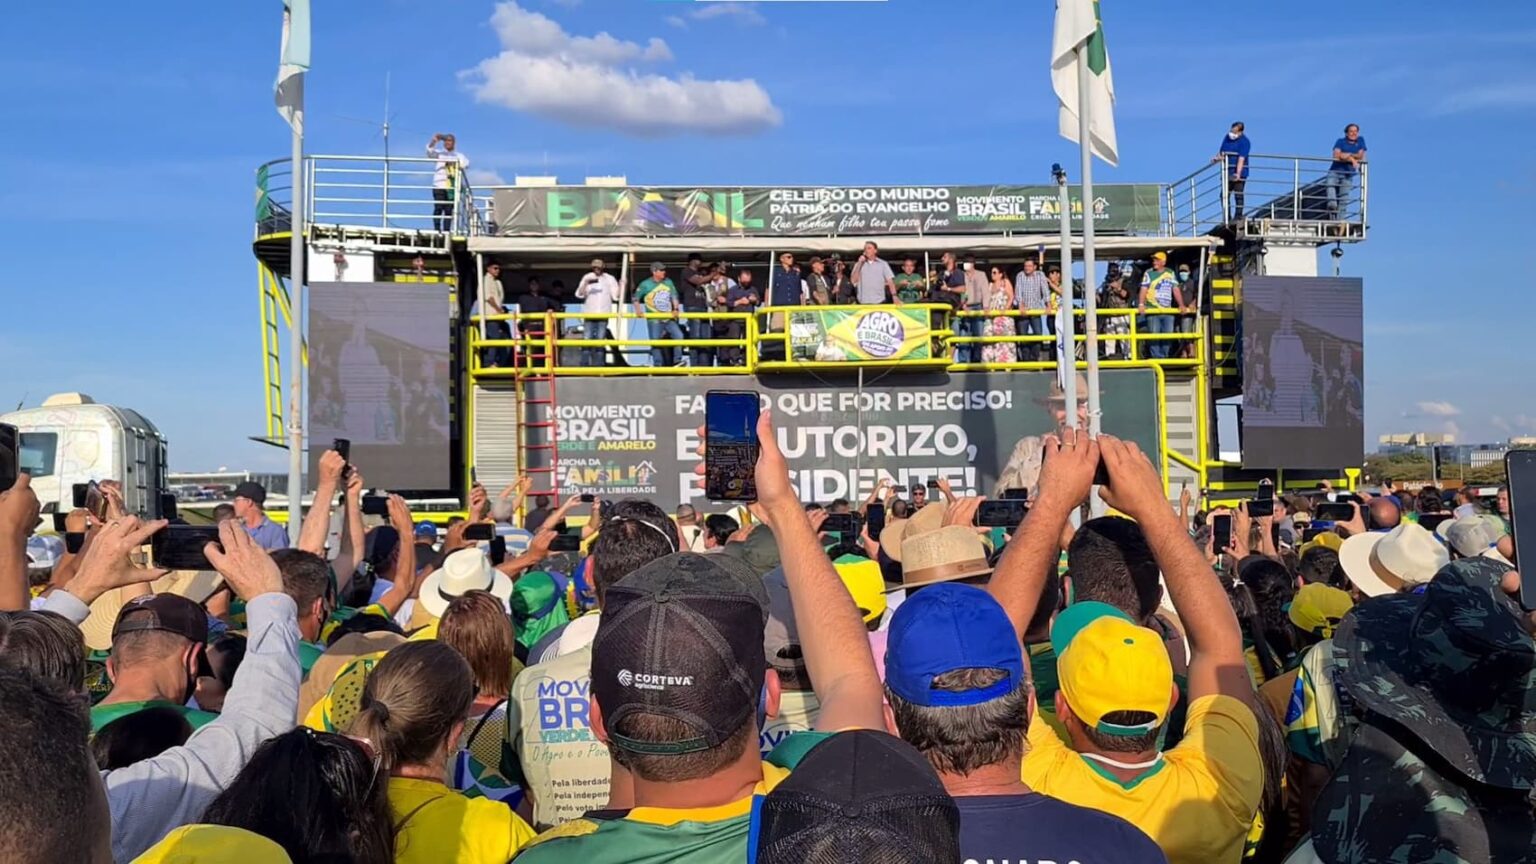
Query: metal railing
(1126, 339)
(365, 192)
(1295, 197)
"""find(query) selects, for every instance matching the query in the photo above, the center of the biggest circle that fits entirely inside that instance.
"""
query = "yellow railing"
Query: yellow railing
(541, 352)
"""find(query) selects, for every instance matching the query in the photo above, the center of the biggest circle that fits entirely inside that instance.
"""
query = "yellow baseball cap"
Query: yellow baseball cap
(1318, 608)
(1325, 540)
(1159, 256)
(1106, 663)
(214, 844)
(862, 578)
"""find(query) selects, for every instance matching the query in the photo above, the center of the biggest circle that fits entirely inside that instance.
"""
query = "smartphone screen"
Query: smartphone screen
(480, 531)
(842, 524)
(1334, 512)
(588, 498)
(1263, 503)
(933, 484)
(344, 447)
(168, 508)
(96, 501)
(77, 493)
(60, 521)
(180, 547)
(565, 543)
(1308, 534)
(730, 445)
(1520, 468)
(375, 505)
(1000, 514)
(498, 550)
(874, 517)
(1221, 532)
(1015, 494)
(10, 456)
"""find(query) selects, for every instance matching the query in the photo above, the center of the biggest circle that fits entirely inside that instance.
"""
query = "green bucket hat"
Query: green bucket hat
(538, 606)
(1454, 667)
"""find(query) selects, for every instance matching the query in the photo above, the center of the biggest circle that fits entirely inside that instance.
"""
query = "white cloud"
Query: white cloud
(485, 177)
(677, 21)
(742, 12)
(589, 81)
(1432, 409)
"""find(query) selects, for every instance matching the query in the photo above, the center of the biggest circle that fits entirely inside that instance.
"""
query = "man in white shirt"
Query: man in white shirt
(495, 300)
(599, 294)
(445, 178)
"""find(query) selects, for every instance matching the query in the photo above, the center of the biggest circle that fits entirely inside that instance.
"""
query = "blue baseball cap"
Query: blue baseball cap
(944, 628)
(426, 529)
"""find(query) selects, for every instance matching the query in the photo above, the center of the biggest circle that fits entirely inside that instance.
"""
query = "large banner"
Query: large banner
(378, 376)
(1303, 372)
(819, 211)
(833, 335)
(981, 431)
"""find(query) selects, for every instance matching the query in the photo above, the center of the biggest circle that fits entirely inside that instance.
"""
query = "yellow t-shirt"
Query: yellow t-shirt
(1197, 803)
(439, 825)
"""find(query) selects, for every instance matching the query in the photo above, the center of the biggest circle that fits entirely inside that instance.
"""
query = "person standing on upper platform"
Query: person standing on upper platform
(1234, 149)
(445, 178)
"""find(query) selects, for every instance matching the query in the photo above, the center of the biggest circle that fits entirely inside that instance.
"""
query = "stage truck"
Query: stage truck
(438, 386)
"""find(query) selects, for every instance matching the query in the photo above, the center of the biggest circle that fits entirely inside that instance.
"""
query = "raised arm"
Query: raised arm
(832, 634)
(1216, 664)
(351, 552)
(1066, 476)
(405, 564)
(18, 517)
(317, 522)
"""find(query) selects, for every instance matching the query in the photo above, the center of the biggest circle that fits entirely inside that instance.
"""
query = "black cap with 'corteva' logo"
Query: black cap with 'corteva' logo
(681, 638)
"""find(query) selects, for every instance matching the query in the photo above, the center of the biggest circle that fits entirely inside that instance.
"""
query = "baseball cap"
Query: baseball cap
(1318, 608)
(1469, 536)
(1159, 256)
(426, 529)
(944, 628)
(252, 490)
(682, 638)
(657, 265)
(214, 844)
(1106, 663)
(44, 551)
(865, 584)
(857, 796)
(169, 612)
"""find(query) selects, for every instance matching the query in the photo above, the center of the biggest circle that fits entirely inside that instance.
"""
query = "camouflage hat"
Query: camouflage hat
(1387, 803)
(1454, 668)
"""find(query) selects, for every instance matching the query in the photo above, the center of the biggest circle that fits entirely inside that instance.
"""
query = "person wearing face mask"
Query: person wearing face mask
(1188, 298)
(1234, 150)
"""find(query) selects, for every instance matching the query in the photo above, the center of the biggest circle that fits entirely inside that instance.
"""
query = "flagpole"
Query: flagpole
(296, 329)
(1066, 366)
(1090, 293)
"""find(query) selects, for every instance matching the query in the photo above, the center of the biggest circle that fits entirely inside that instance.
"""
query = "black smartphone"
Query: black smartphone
(1000, 513)
(344, 447)
(95, 501)
(1520, 470)
(60, 523)
(168, 508)
(587, 498)
(1015, 494)
(1101, 474)
(874, 517)
(1308, 534)
(375, 505)
(730, 445)
(1431, 521)
(480, 531)
(180, 547)
(498, 550)
(565, 543)
(1263, 504)
(77, 494)
(1333, 511)
(74, 541)
(10, 456)
(1221, 532)
(1348, 498)
(934, 485)
(841, 524)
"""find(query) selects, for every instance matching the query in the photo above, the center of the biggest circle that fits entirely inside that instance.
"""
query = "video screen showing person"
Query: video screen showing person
(378, 372)
(1303, 372)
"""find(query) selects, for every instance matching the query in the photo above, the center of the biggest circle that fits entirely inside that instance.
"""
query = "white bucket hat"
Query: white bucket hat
(1385, 563)
(464, 571)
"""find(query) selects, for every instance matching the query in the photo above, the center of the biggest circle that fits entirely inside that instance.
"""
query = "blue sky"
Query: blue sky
(133, 131)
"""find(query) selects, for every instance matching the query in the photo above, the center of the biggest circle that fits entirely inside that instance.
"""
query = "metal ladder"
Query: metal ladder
(538, 445)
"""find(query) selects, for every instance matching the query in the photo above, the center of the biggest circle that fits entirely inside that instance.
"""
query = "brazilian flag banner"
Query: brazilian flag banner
(845, 335)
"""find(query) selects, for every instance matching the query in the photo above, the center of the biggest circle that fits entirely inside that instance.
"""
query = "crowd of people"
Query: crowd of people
(782, 684)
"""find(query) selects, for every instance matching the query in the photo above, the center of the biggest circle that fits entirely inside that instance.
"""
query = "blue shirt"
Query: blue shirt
(740, 292)
(268, 535)
(785, 287)
(1343, 145)
(1235, 149)
(1034, 827)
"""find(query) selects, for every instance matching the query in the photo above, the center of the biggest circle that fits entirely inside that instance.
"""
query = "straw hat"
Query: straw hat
(195, 585)
(895, 535)
(1385, 563)
(943, 555)
(464, 571)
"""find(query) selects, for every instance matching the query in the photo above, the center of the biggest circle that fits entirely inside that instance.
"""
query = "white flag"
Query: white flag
(293, 63)
(1077, 21)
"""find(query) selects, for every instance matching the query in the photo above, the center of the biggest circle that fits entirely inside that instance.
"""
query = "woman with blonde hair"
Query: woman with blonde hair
(413, 711)
(484, 766)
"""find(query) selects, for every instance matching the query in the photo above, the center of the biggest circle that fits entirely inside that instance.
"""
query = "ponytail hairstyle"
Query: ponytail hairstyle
(1247, 610)
(411, 703)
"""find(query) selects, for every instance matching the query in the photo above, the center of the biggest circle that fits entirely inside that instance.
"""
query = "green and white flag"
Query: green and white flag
(1077, 21)
(294, 63)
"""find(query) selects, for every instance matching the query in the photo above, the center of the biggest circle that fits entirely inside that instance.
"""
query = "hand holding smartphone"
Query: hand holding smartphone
(1221, 532)
(1006, 513)
(10, 456)
(1520, 470)
(180, 547)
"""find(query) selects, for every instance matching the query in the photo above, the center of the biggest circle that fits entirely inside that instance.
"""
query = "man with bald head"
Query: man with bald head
(1385, 514)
